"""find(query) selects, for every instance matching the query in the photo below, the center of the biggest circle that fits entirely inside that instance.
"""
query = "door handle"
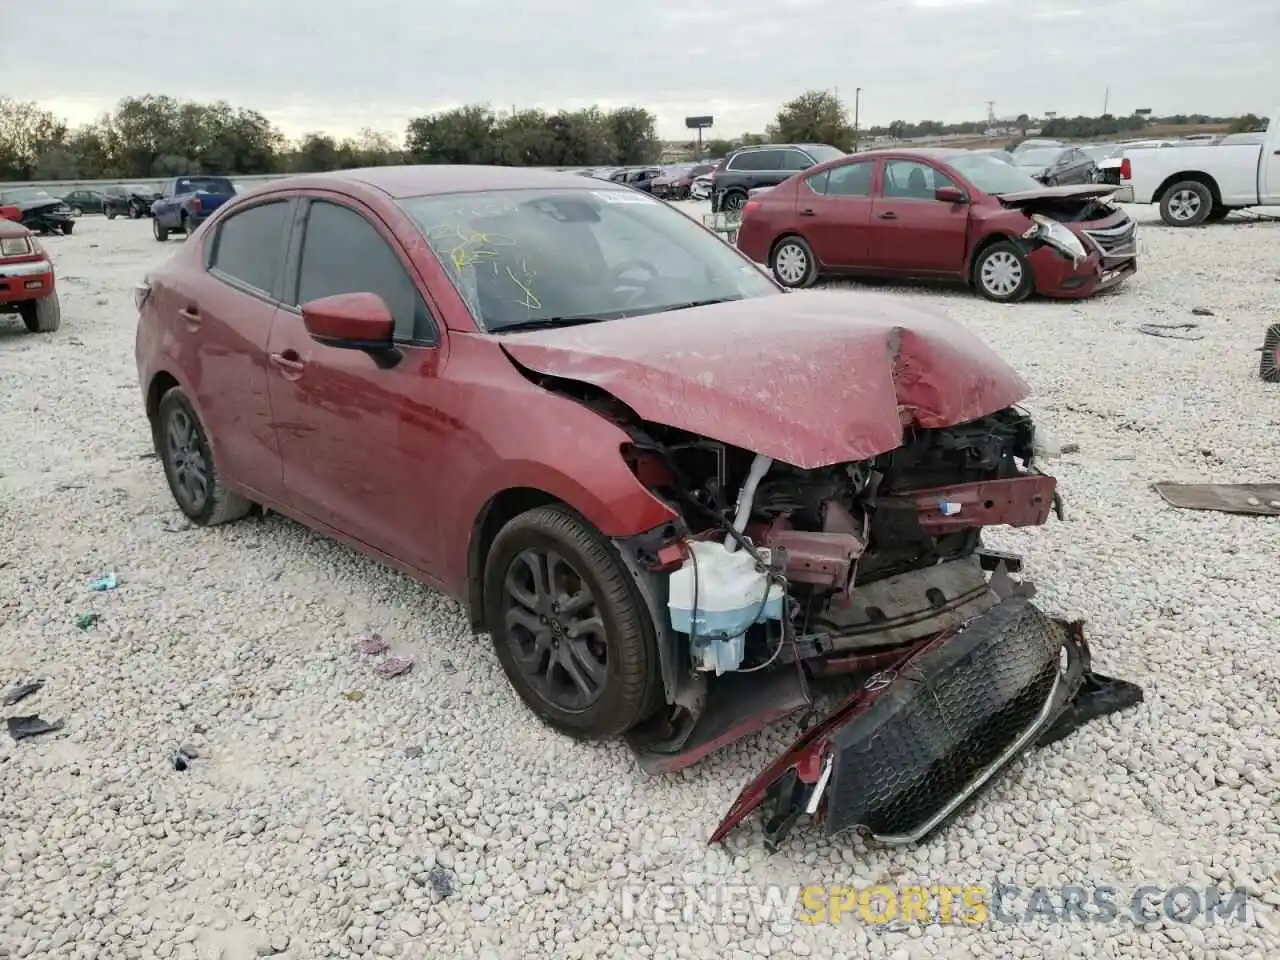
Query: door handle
(288, 362)
(808, 212)
(888, 216)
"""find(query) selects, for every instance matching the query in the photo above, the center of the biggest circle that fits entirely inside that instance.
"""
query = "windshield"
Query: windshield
(993, 176)
(1038, 157)
(26, 193)
(572, 255)
(821, 153)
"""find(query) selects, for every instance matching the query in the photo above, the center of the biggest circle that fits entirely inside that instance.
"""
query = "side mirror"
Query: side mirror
(11, 213)
(353, 321)
(950, 195)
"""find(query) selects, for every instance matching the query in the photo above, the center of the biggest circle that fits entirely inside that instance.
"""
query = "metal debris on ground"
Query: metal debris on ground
(449, 668)
(1171, 331)
(394, 667)
(105, 583)
(1201, 312)
(20, 691)
(1254, 499)
(30, 726)
(86, 620)
(372, 645)
(1269, 365)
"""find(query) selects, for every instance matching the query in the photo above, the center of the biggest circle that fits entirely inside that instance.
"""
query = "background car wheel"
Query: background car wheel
(793, 263)
(77, 212)
(43, 315)
(158, 231)
(568, 625)
(1002, 273)
(183, 448)
(1186, 204)
(135, 213)
(111, 213)
(733, 201)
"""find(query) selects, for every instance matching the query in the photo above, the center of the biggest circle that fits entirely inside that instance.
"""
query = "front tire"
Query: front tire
(183, 448)
(793, 263)
(111, 213)
(77, 212)
(568, 625)
(1002, 274)
(68, 228)
(43, 315)
(134, 213)
(1187, 203)
(160, 233)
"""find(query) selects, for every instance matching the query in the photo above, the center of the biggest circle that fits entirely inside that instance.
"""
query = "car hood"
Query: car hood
(811, 378)
(1084, 191)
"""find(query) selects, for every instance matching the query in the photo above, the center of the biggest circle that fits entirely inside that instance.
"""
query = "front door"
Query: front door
(833, 208)
(355, 453)
(221, 322)
(911, 231)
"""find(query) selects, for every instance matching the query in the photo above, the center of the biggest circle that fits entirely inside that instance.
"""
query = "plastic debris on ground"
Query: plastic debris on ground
(20, 691)
(1171, 331)
(372, 645)
(86, 620)
(353, 695)
(30, 726)
(449, 668)
(102, 584)
(181, 758)
(394, 667)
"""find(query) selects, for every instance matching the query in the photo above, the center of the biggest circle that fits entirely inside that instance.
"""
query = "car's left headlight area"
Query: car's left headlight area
(1056, 235)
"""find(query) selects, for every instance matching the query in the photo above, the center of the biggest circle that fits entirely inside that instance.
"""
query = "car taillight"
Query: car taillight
(140, 293)
(1126, 171)
(195, 204)
(749, 206)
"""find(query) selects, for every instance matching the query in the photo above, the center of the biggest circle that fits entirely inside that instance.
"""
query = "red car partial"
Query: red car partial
(27, 284)
(672, 495)
(941, 214)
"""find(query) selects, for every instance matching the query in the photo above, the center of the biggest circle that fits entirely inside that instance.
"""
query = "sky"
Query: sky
(341, 65)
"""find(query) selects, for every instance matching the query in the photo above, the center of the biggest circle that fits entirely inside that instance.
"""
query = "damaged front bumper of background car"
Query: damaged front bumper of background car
(959, 673)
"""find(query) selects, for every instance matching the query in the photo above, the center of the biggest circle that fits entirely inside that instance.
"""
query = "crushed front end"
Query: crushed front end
(780, 577)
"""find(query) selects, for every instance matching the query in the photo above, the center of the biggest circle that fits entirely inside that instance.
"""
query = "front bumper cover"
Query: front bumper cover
(920, 740)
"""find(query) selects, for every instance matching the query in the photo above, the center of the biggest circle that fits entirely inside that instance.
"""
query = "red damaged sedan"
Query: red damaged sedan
(26, 276)
(673, 496)
(941, 214)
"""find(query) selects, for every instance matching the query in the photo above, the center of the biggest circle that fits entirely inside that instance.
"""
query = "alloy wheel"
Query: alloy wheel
(555, 630)
(188, 461)
(1184, 205)
(1001, 274)
(791, 263)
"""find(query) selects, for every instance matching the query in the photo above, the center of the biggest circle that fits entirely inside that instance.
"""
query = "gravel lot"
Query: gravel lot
(434, 817)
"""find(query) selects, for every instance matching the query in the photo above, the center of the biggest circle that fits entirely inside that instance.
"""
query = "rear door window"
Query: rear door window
(342, 252)
(795, 160)
(851, 180)
(250, 246)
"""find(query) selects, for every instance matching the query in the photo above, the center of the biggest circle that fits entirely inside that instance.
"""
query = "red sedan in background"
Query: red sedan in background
(941, 214)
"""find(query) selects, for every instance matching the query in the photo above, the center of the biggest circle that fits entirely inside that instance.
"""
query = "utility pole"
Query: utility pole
(1106, 101)
(857, 101)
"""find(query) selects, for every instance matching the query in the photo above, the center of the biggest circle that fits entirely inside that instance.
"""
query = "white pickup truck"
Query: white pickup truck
(1202, 184)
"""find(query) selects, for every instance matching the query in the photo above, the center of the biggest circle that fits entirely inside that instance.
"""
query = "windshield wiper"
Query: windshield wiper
(696, 303)
(544, 323)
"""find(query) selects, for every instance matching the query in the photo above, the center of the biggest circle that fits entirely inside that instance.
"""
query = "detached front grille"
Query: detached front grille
(1116, 243)
(947, 725)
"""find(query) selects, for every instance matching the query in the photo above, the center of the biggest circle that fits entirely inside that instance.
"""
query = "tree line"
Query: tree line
(159, 136)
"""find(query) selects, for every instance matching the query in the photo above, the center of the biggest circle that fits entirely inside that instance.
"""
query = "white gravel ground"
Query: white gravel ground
(311, 824)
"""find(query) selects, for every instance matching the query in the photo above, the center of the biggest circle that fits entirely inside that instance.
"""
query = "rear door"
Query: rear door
(833, 209)
(222, 320)
(359, 443)
(911, 232)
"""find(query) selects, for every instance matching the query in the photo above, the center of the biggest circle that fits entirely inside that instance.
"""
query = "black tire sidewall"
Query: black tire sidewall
(733, 201)
(615, 711)
(1023, 290)
(811, 273)
(175, 398)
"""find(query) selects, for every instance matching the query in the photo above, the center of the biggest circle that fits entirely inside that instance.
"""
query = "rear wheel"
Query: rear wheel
(43, 315)
(183, 448)
(1188, 203)
(135, 213)
(110, 212)
(793, 263)
(568, 625)
(67, 228)
(77, 212)
(1002, 273)
(733, 201)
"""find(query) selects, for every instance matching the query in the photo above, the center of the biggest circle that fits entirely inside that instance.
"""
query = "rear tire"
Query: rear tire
(622, 646)
(1002, 274)
(134, 212)
(732, 201)
(77, 212)
(68, 228)
(43, 315)
(793, 263)
(184, 450)
(110, 212)
(1187, 203)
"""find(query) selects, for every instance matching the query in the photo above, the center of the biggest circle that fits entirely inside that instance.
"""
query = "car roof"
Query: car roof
(444, 178)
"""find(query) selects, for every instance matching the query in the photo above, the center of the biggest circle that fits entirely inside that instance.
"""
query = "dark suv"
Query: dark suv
(764, 166)
(132, 200)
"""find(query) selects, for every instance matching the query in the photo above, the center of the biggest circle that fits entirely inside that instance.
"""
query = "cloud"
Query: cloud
(340, 65)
